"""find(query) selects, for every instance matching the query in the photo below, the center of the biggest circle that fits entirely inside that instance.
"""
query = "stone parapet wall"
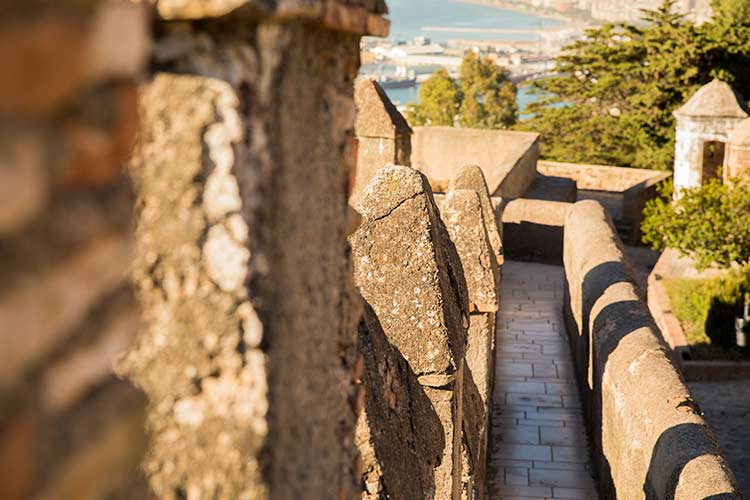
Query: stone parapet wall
(649, 438)
(409, 274)
(507, 158)
(533, 229)
(623, 191)
(429, 277)
(249, 352)
(469, 219)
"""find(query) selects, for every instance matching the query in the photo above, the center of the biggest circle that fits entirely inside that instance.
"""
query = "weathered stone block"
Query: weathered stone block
(402, 272)
(461, 212)
(408, 272)
(383, 134)
(471, 177)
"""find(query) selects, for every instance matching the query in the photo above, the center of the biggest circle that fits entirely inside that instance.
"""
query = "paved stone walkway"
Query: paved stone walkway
(538, 443)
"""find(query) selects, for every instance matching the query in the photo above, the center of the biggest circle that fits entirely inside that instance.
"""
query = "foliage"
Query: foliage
(615, 91)
(483, 97)
(489, 97)
(707, 308)
(439, 101)
(710, 223)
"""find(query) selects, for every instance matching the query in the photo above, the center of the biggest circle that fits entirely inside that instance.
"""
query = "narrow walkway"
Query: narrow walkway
(538, 447)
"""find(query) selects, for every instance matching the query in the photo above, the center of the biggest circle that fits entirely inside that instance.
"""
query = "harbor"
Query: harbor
(429, 35)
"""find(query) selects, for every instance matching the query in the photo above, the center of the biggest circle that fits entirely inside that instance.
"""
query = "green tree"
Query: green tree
(616, 90)
(710, 223)
(439, 101)
(727, 40)
(489, 97)
(483, 97)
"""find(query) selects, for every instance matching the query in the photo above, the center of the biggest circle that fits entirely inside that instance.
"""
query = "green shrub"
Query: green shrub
(707, 308)
(710, 224)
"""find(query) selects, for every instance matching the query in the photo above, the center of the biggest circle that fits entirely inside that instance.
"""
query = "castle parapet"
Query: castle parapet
(410, 276)
(649, 438)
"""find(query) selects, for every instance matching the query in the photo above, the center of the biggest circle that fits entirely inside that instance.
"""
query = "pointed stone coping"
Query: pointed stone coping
(471, 177)
(404, 272)
(462, 214)
(376, 114)
(715, 100)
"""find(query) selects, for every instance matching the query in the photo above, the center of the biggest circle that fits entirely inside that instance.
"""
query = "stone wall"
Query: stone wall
(649, 438)
(533, 229)
(507, 158)
(623, 191)
(469, 219)
(429, 277)
(68, 116)
(249, 352)
(409, 274)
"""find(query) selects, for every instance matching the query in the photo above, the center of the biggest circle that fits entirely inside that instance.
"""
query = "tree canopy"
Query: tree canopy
(709, 223)
(482, 97)
(614, 92)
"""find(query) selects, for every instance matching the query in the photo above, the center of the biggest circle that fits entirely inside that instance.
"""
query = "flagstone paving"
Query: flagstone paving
(539, 448)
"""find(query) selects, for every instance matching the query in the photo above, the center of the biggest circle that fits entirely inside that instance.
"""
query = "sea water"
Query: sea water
(412, 18)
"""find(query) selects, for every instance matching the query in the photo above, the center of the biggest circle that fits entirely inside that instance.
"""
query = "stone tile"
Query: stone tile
(563, 388)
(515, 434)
(574, 493)
(513, 370)
(520, 387)
(567, 436)
(534, 399)
(559, 465)
(516, 492)
(518, 347)
(511, 451)
(558, 478)
(544, 370)
(541, 422)
(570, 454)
(501, 463)
(516, 476)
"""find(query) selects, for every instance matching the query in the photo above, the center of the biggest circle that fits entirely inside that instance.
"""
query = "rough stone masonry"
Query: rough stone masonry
(243, 271)
(409, 274)
(466, 219)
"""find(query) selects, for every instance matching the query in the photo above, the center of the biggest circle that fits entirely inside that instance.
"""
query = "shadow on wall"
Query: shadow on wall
(648, 437)
(406, 436)
(619, 321)
(523, 238)
(671, 457)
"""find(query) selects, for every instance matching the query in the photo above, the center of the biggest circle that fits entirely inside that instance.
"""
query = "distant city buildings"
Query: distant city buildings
(631, 11)
(623, 10)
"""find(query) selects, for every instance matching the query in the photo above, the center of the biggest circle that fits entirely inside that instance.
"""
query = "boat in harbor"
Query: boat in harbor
(401, 78)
